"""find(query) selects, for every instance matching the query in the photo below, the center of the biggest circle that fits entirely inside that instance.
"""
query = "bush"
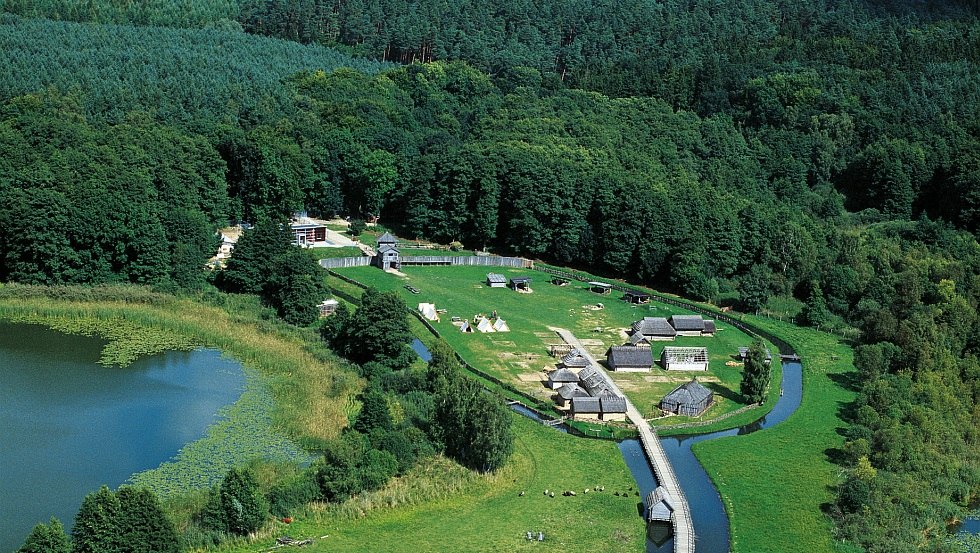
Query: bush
(287, 496)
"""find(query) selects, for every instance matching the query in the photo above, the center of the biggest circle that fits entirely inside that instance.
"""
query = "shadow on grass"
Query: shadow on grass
(850, 380)
(722, 391)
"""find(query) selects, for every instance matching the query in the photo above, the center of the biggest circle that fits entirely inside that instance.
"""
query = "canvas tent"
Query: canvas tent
(501, 326)
(428, 310)
(483, 325)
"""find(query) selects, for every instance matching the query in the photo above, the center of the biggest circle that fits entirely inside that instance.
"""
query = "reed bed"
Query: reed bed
(296, 388)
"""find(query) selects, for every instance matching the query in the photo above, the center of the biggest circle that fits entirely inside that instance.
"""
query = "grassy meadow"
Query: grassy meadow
(775, 483)
(442, 507)
(521, 357)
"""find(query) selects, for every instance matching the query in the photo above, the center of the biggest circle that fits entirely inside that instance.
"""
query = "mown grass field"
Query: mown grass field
(776, 483)
(521, 357)
(440, 507)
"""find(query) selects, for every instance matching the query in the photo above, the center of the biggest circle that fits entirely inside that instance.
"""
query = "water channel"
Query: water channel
(69, 425)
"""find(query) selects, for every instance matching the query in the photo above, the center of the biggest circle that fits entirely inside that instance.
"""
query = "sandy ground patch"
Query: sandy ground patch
(590, 343)
(532, 377)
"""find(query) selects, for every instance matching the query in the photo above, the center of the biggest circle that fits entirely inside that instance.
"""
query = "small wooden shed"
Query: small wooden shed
(637, 297)
(600, 287)
(520, 284)
(496, 280)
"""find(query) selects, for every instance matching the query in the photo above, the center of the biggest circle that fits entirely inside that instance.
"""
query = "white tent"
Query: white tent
(466, 327)
(428, 310)
(500, 326)
(483, 325)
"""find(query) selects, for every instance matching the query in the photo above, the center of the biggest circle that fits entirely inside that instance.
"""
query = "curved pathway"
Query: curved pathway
(683, 527)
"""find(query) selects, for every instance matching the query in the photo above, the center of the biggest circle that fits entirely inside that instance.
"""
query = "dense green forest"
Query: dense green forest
(745, 152)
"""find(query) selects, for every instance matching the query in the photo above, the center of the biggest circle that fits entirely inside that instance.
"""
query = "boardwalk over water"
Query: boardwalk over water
(683, 527)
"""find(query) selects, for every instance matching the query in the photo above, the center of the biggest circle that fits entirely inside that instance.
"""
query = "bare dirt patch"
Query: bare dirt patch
(532, 377)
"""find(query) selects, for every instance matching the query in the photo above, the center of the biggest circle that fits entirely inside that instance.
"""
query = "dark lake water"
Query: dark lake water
(69, 425)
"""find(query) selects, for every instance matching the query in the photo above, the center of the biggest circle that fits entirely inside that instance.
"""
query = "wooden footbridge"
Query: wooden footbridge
(681, 520)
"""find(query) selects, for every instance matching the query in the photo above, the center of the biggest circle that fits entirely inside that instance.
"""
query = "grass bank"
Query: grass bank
(442, 507)
(776, 483)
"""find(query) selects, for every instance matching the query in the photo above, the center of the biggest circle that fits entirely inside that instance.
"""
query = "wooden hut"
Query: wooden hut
(575, 359)
(567, 392)
(709, 328)
(561, 377)
(328, 306)
(586, 408)
(684, 359)
(690, 399)
(629, 359)
(613, 407)
(520, 284)
(307, 231)
(636, 297)
(653, 329)
(660, 506)
(687, 325)
(496, 280)
(600, 287)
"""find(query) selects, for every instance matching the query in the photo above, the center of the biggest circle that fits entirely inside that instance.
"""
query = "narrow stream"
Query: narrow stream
(707, 511)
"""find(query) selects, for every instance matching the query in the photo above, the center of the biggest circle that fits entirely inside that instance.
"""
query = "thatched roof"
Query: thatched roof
(575, 358)
(709, 327)
(586, 405)
(630, 356)
(563, 375)
(569, 391)
(687, 322)
(613, 404)
(590, 377)
(654, 326)
(689, 393)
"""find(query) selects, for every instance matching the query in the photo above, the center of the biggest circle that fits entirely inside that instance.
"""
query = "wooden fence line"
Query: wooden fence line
(482, 261)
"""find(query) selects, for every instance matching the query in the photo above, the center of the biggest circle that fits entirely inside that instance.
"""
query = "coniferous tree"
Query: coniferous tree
(47, 538)
(244, 507)
(374, 412)
(143, 526)
(96, 528)
(756, 374)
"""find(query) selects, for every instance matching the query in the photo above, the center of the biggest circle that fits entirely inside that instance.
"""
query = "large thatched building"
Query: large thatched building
(690, 399)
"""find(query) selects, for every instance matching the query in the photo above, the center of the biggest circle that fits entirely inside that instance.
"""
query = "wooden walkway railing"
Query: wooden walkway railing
(683, 525)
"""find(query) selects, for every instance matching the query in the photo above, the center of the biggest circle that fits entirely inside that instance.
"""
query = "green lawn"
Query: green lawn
(521, 357)
(486, 512)
(775, 483)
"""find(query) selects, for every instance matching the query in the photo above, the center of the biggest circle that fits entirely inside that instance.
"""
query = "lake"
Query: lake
(70, 425)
